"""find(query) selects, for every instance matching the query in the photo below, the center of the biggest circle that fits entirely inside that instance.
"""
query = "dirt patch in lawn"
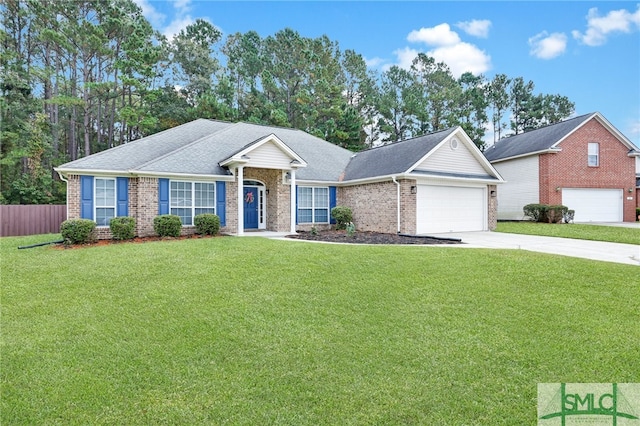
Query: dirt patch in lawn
(370, 238)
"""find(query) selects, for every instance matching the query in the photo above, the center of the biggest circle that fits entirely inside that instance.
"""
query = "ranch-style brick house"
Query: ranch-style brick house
(257, 177)
(583, 163)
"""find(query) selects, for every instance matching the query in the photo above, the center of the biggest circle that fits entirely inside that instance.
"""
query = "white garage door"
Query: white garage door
(594, 205)
(450, 209)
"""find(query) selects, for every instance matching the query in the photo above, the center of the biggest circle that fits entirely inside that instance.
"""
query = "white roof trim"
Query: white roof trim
(622, 138)
(498, 179)
(135, 173)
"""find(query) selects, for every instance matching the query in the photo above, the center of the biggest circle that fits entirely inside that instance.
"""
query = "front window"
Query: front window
(105, 201)
(594, 154)
(189, 199)
(313, 205)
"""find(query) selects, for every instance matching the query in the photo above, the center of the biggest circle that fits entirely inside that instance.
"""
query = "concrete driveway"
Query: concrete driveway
(596, 250)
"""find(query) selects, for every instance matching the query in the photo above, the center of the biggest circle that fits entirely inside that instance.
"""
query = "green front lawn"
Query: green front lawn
(252, 331)
(578, 231)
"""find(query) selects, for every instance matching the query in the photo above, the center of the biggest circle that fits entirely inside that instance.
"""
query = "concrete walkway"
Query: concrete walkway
(596, 250)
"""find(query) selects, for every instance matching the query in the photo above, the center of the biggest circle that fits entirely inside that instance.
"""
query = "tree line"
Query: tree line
(82, 76)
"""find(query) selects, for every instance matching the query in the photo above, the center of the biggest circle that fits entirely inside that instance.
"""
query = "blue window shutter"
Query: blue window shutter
(163, 196)
(122, 183)
(332, 202)
(86, 197)
(221, 198)
(296, 204)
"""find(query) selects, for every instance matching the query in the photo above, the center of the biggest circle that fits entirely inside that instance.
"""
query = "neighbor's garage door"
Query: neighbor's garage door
(594, 205)
(450, 209)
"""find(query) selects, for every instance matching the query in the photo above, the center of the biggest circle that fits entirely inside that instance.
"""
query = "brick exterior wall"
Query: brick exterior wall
(375, 208)
(143, 204)
(569, 169)
(73, 197)
(374, 205)
(408, 207)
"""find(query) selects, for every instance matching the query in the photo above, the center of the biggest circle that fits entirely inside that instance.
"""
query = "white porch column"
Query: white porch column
(293, 201)
(240, 176)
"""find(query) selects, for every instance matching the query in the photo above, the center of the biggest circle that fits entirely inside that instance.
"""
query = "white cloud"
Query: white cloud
(182, 6)
(153, 16)
(373, 62)
(599, 27)
(440, 35)
(176, 25)
(476, 27)
(461, 58)
(405, 56)
(548, 46)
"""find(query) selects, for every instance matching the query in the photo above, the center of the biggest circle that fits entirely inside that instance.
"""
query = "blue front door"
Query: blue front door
(250, 208)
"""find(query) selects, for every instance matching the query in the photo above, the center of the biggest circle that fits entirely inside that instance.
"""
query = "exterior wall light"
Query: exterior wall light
(558, 189)
(414, 189)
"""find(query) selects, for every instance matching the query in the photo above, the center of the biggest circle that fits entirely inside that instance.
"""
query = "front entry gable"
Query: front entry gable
(268, 152)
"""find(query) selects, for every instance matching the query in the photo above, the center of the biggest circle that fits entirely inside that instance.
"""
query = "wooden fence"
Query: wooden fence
(31, 219)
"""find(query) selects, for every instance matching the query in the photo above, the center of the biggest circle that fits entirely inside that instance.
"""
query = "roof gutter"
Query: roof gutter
(135, 173)
(397, 200)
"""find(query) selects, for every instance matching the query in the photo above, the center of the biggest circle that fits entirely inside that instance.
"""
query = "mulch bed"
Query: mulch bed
(324, 236)
(370, 238)
(136, 240)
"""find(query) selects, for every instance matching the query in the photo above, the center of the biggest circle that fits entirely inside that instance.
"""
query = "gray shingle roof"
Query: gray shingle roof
(327, 161)
(136, 153)
(394, 158)
(534, 141)
(197, 148)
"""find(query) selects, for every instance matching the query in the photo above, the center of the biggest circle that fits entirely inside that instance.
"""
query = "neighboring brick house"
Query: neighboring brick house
(583, 163)
(638, 183)
(249, 174)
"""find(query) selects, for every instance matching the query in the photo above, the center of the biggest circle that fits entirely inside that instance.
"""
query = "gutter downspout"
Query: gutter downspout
(397, 200)
(67, 191)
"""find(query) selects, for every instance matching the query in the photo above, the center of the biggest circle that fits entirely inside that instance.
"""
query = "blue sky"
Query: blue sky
(587, 51)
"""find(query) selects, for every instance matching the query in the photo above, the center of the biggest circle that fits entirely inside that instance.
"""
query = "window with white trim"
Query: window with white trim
(593, 154)
(105, 201)
(189, 199)
(313, 204)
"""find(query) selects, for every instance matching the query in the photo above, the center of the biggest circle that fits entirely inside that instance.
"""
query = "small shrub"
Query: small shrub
(207, 223)
(123, 228)
(536, 212)
(78, 231)
(342, 215)
(555, 214)
(638, 214)
(167, 225)
(568, 216)
(351, 229)
(314, 230)
(545, 213)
